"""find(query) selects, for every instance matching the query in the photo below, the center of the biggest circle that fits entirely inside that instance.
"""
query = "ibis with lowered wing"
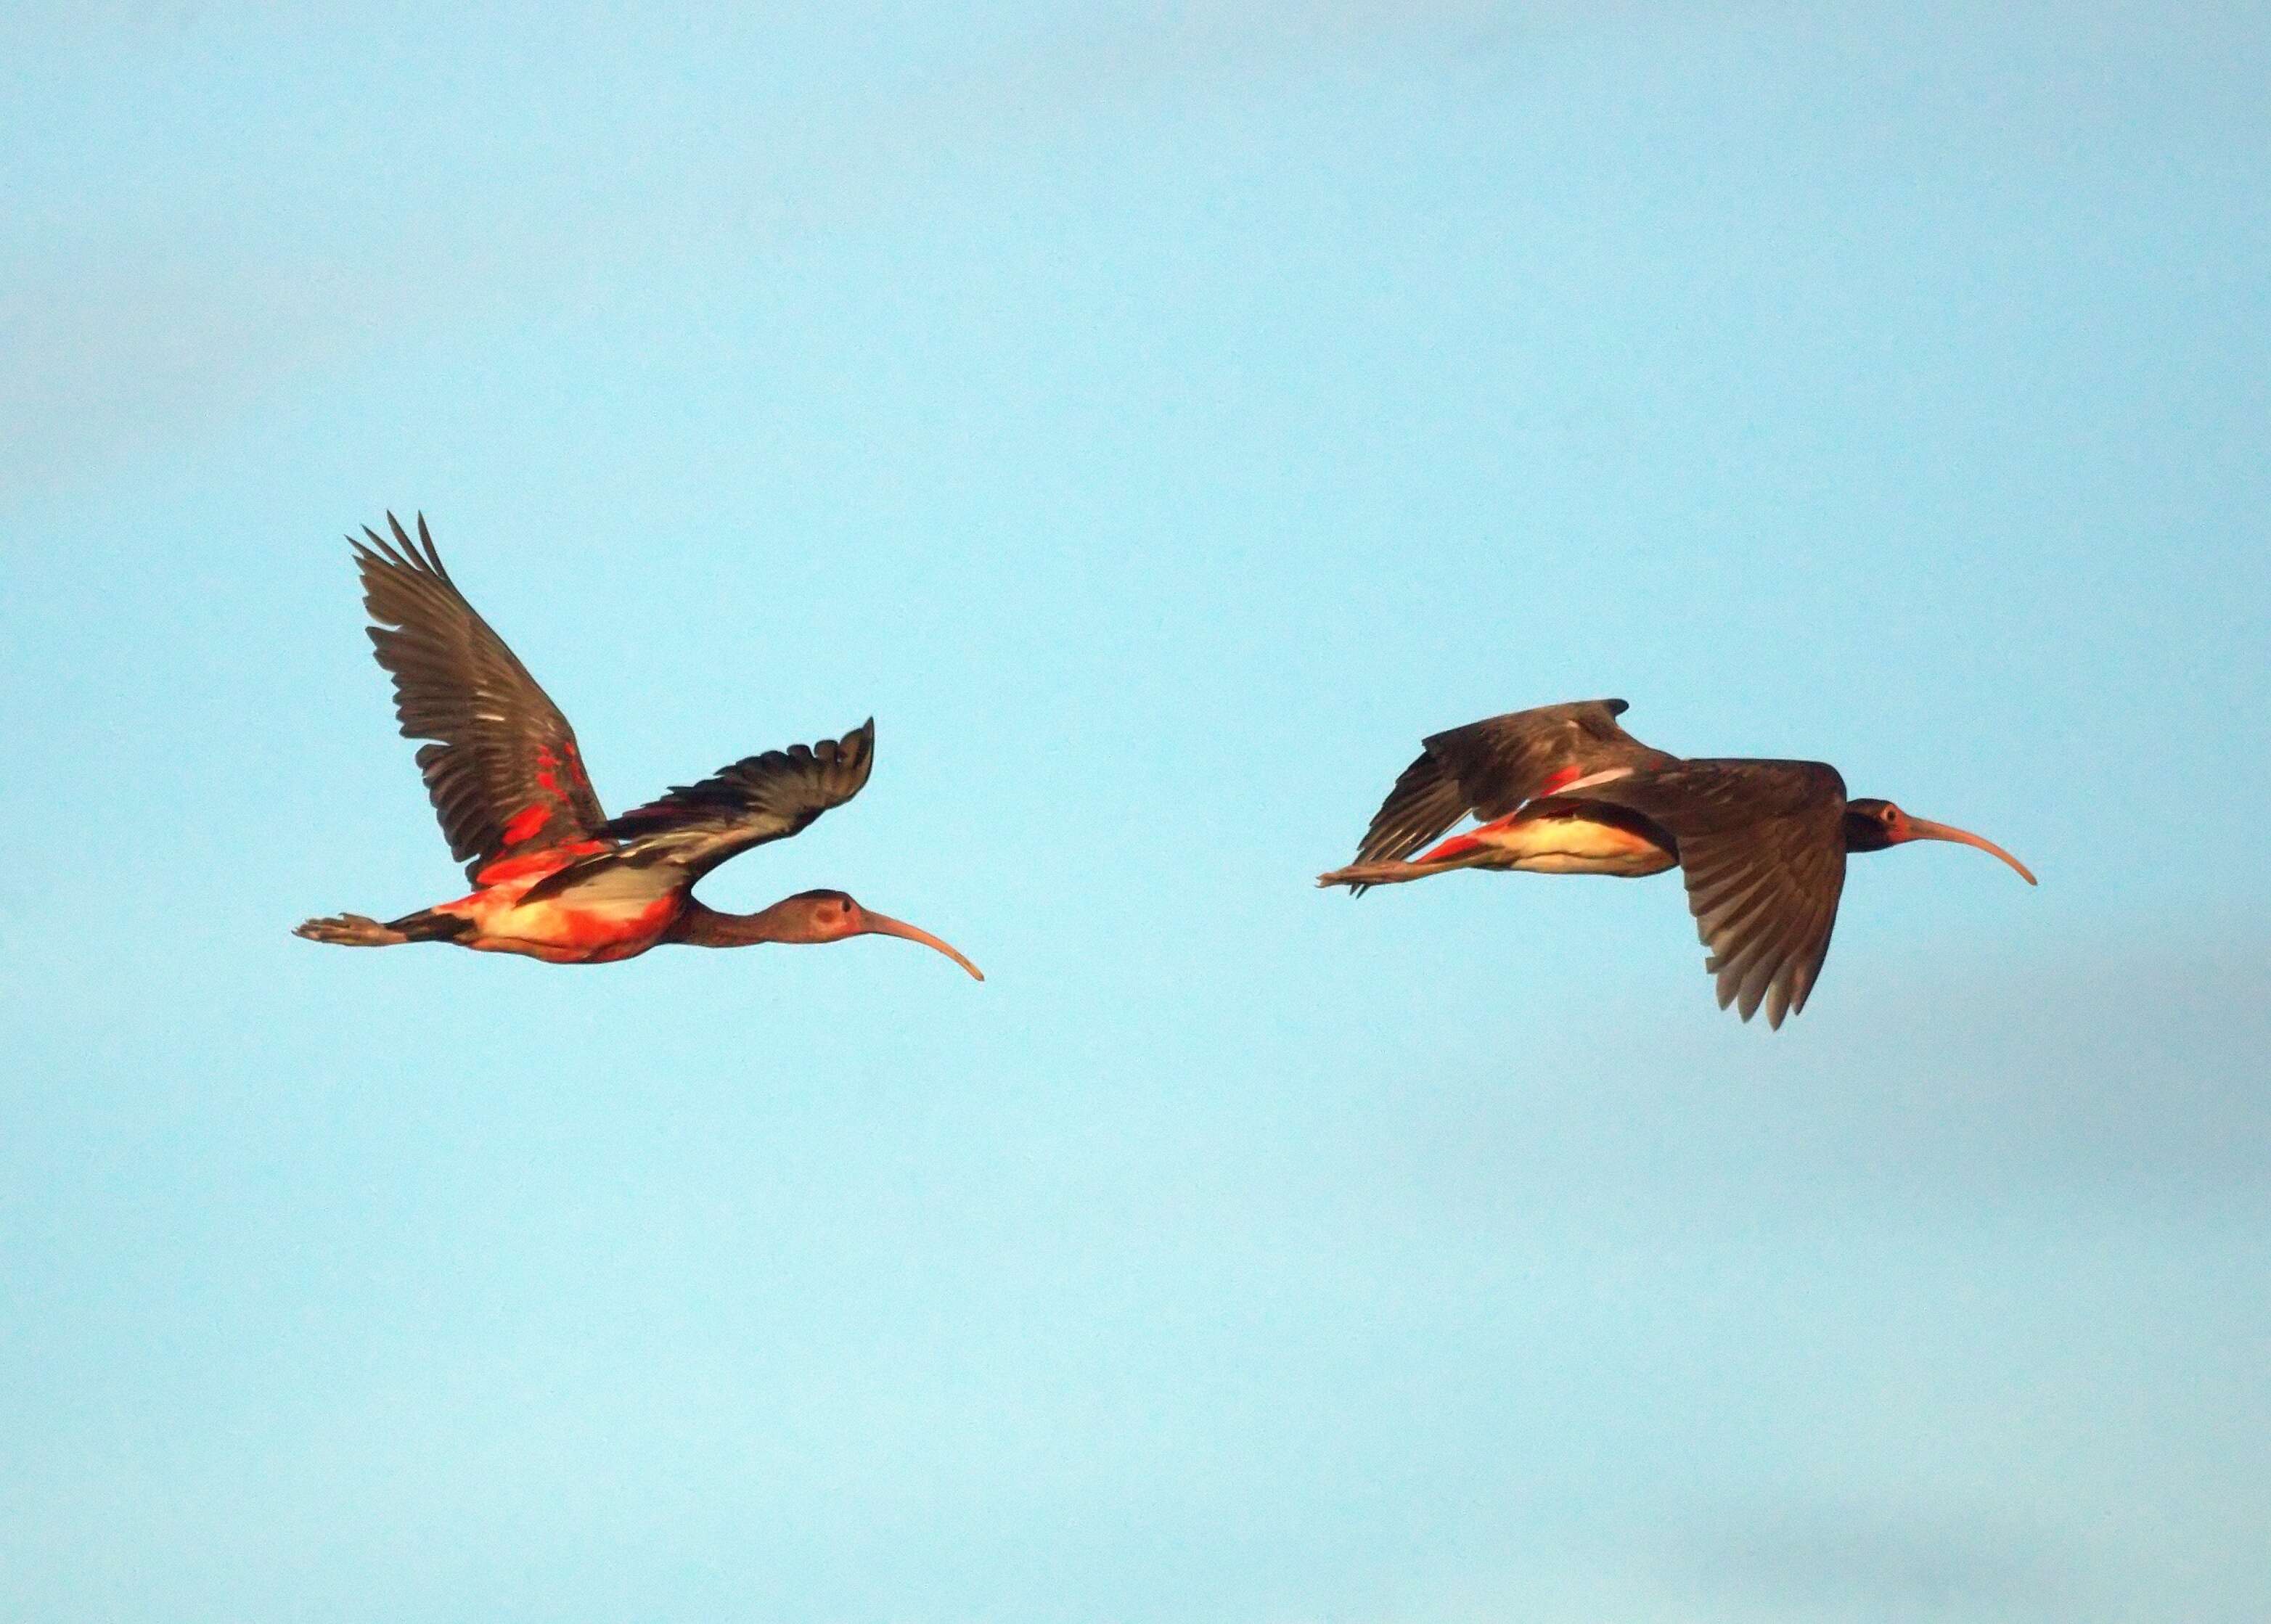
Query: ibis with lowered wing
(1564, 789)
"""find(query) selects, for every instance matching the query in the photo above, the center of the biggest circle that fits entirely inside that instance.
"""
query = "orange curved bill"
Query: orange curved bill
(1925, 829)
(884, 925)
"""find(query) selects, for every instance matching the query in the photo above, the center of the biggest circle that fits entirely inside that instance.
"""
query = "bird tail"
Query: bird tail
(359, 930)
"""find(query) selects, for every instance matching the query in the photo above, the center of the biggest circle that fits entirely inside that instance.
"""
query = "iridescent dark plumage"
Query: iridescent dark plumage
(1564, 789)
(503, 769)
(1488, 769)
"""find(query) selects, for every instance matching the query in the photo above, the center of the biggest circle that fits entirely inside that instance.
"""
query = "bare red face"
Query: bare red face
(1900, 828)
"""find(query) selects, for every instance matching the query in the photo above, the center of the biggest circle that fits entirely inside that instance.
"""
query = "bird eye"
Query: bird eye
(1890, 815)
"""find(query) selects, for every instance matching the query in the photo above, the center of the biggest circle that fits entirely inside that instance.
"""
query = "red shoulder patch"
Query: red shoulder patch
(525, 823)
(1459, 845)
(535, 865)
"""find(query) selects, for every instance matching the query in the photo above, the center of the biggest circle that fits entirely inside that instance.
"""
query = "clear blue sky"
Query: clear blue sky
(1157, 417)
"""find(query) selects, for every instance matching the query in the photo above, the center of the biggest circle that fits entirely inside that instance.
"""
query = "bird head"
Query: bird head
(1871, 825)
(832, 916)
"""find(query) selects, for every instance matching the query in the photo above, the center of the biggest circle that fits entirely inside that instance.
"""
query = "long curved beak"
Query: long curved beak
(884, 925)
(1925, 829)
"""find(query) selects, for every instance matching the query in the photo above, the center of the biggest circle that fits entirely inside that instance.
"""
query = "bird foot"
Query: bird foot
(1357, 876)
(350, 930)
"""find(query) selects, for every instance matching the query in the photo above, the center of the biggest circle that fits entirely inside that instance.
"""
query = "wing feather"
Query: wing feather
(503, 769)
(1490, 768)
(1762, 848)
(758, 799)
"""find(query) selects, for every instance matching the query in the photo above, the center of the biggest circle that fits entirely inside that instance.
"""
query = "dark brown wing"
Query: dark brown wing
(503, 769)
(767, 797)
(1490, 768)
(1762, 846)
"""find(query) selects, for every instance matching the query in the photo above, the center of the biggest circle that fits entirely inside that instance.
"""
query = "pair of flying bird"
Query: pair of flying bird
(1561, 789)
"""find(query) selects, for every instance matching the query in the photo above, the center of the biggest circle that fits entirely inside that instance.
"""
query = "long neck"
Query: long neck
(700, 925)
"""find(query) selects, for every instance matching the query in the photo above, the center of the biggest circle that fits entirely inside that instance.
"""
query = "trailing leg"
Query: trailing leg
(1358, 876)
(358, 930)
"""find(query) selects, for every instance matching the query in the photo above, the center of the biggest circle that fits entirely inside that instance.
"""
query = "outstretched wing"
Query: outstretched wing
(503, 769)
(767, 797)
(1491, 767)
(1762, 846)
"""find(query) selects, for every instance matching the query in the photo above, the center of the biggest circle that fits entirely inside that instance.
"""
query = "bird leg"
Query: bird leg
(1356, 876)
(350, 930)
(357, 930)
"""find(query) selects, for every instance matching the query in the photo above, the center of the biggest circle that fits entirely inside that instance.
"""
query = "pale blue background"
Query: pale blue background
(1158, 418)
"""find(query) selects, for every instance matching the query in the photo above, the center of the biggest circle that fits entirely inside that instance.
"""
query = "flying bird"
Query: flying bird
(1564, 789)
(554, 877)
